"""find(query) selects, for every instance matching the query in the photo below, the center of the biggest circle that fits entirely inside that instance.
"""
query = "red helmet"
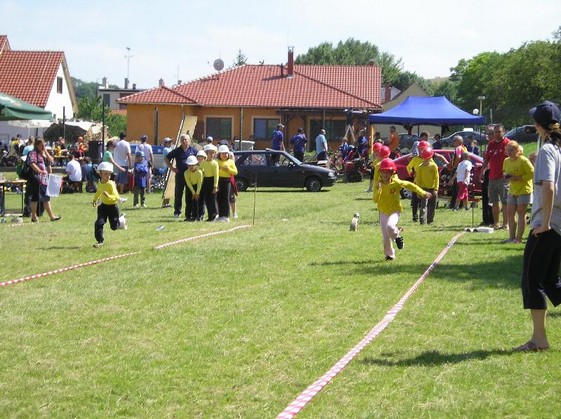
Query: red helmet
(388, 164)
(427, 153)
(423, 144)
(384, 152)
(376, 147)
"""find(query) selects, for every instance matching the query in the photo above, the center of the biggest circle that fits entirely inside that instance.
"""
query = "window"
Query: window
(107, 100)
(59, 84)
(263, 128)
(334, 130)
(219, 128)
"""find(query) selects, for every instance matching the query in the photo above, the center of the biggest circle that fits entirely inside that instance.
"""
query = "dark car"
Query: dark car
(257, 167)
(406, 141)
(468, 136)
(524, 134)
(445, 175)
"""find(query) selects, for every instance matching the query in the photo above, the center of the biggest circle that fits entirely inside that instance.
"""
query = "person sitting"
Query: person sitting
(74, 173)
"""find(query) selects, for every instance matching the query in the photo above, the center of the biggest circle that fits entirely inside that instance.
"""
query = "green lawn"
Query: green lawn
(238, 324)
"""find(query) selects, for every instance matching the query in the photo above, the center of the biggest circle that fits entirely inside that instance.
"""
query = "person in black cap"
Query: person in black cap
(540, 274)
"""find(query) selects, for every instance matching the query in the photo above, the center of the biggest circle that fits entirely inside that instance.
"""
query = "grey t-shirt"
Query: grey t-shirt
(548, 168)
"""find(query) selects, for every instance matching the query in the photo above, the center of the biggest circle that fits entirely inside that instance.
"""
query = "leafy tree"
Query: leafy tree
(240, 59)
(92, 110)
(446, 88)
(352, 52)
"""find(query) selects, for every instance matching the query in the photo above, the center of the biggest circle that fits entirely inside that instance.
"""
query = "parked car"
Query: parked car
(406, 141)
(523, 134)
(445, 175)
(259, 167)
(158, 154)
(467, 136)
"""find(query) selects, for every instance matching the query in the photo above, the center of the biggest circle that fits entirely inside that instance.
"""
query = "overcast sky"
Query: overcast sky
(180, 39)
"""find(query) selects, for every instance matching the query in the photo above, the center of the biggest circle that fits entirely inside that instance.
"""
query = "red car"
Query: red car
(444, 189)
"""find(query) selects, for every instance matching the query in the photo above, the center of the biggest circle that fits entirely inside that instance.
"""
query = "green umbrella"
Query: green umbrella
(12, 108)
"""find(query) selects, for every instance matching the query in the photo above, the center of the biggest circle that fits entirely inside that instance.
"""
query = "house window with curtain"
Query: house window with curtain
(219, 128)
(59, 84)
(263, 128)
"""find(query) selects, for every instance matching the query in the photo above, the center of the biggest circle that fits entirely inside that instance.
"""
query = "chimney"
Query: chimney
(161, 83)
(387, 92)
(134, 86)
(104, 83)
(126, 82)
(290, 65)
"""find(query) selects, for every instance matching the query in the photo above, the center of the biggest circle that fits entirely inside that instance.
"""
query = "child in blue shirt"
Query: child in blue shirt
(140, 179)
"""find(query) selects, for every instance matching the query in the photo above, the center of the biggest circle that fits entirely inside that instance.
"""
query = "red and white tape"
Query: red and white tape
(188, 239)
(61, 270)
(304, 398)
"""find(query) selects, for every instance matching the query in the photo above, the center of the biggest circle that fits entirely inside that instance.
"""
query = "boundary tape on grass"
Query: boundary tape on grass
(201, 236)
(61, 270)
(304, 398)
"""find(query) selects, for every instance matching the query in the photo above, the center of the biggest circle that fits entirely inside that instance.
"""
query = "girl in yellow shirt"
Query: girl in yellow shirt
(226, 168)
(519, 171)
(389, 205)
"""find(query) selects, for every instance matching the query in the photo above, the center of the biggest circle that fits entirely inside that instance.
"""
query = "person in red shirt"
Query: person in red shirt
(498, 185)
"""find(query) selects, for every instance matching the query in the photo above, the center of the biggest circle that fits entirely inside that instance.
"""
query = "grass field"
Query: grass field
(238, 324)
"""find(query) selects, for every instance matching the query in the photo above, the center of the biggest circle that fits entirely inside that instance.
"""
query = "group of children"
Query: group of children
(210, 184)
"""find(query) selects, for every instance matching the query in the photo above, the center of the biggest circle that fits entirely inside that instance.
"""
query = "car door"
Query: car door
(287, 173)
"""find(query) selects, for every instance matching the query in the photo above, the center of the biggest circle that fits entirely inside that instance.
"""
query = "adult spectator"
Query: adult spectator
(540, 272)
(321, 145)
(148, 159)
(108, 156)
(40, 162)
(74, 173)
(437, 145)
(362, 143)
(277, 142)
(180, 155)
(122, 156)
(29, 146)
(498, 185)
(299, 142)
(393, 142)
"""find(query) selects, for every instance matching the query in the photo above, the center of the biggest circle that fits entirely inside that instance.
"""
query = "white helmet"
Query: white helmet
(192, 161)
(105, 166)
(223, 149)
(201, 153)
(210, 147)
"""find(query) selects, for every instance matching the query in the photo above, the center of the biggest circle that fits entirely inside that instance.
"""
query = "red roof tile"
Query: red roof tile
(311, 86)
(29, 75)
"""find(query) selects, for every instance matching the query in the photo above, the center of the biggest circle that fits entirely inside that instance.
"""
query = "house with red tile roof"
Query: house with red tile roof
(41, 78)
(247, 102)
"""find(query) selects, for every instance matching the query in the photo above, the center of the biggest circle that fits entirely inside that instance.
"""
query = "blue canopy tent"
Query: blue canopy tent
(417, 110)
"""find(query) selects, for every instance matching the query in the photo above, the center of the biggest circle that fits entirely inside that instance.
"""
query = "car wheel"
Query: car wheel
(406, 194)
(242, 184)
(313, 184)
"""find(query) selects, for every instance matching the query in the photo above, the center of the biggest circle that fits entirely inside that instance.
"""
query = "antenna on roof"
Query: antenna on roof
(218, 64)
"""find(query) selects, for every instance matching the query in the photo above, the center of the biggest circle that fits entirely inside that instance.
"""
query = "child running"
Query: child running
(389, 205)
(108, 209)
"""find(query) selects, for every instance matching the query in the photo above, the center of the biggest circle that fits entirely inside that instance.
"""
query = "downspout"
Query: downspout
(156, 117)
(241, 129)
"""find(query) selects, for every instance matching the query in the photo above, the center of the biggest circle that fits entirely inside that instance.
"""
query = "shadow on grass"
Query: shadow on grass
(61, 248)
(435, 358)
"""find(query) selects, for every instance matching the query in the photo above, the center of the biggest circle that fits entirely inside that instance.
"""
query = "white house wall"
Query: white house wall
(58, 101)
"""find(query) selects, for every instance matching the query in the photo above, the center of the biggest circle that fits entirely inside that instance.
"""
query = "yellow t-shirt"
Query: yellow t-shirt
(389, 198)
(413, 164)
(111, 189)
(210, 169)
(227, 168)
(521, 166)
(427, 175)
(194, 179)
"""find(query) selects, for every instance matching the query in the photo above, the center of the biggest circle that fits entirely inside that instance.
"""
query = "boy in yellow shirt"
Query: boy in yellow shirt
(427, 177)
(108, 209)
(389, 205)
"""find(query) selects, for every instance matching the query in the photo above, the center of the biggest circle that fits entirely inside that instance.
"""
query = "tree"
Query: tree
(240, 59)
(352, 52)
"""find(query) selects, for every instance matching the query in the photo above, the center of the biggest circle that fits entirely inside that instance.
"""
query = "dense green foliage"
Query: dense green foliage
(511, 82)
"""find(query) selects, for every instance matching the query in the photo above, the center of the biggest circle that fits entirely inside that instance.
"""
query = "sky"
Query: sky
(180, 39)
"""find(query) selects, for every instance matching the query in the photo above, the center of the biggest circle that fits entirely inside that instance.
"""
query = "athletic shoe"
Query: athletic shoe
(235, 215)
(98, 245)
(136, 206)
(122, 222)
(175, 215)
(223, 220)
(389, 258)
(121, 200)
(143, 205)
(399, 242)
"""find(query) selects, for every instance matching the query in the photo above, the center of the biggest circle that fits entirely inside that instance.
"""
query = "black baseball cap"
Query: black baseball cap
(546, 114)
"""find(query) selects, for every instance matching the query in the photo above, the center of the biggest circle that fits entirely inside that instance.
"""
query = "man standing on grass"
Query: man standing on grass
(321, 145)
(498, 185)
